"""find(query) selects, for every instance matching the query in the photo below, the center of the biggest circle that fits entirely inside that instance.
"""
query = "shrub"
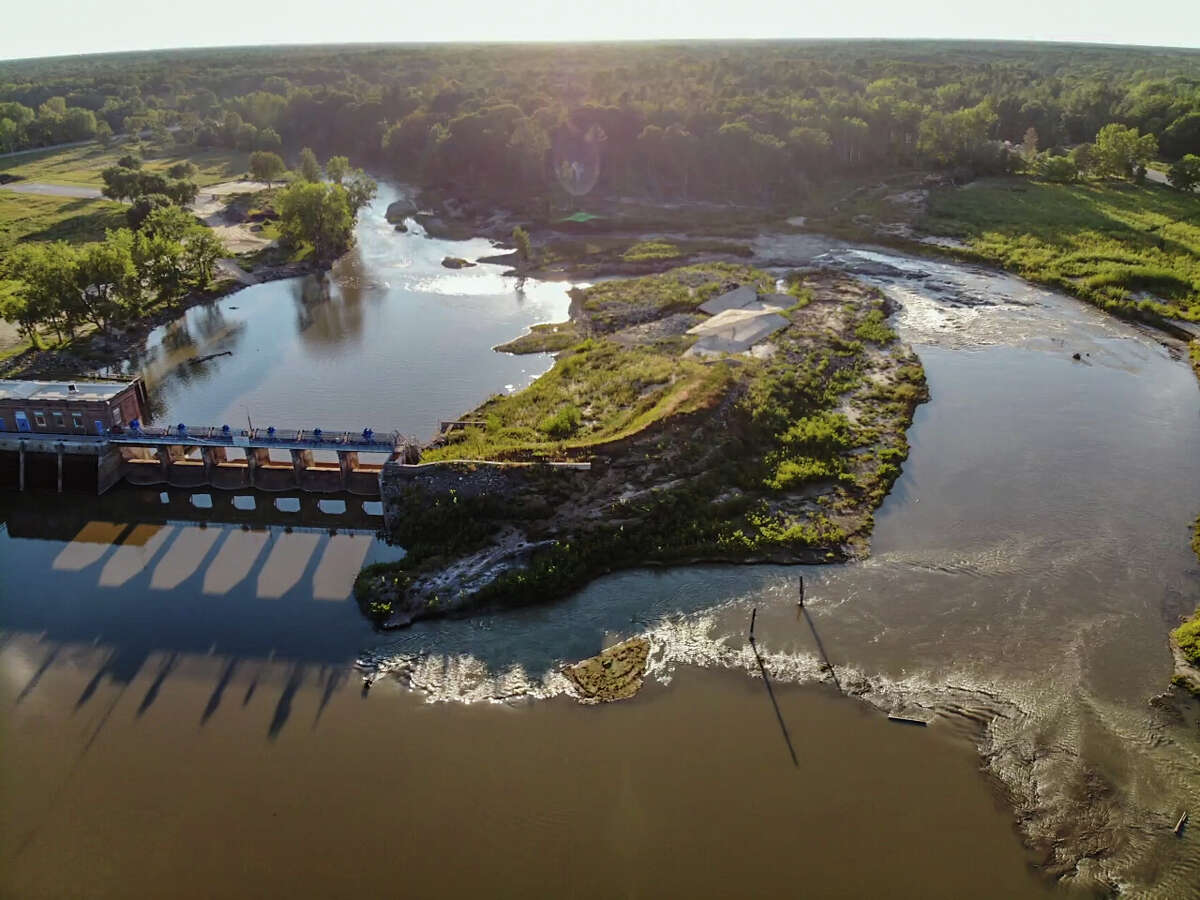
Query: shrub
(561, 424)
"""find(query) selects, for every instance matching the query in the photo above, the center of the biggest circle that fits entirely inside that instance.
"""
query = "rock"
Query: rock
(399, 210)
(401, 227)
(615, 674)
(1075, 356)
(456, 262)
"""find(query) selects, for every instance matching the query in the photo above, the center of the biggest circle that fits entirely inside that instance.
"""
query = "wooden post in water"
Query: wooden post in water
(801, 590)
(770, 692)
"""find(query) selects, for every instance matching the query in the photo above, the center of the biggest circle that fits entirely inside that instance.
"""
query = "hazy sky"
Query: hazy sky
(55, 27)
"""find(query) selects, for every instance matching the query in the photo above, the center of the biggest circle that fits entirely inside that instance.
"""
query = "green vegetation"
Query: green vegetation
(765, 122)
(322, 215)
(1127, 248)
(34, 217)
(622, 389)
(85, 165)
(612, 304)
(651, 250)
(1187, 636)
(740, 458)
(110, 283)
(546, 338)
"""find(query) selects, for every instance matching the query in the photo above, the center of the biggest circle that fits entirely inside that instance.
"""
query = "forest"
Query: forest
(756, 121)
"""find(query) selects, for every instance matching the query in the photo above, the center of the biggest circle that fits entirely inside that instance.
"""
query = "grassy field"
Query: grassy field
(596, 392)
(1127, 248)
(34, 217)
(83, 165)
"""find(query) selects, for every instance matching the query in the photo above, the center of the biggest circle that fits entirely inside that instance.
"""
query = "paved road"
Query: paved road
(52, 190)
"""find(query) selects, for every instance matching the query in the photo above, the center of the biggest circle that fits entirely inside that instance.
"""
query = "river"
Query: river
(181, 715)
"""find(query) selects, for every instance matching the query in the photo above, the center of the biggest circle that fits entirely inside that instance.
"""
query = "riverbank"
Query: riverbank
(84, 355)
(775, 452)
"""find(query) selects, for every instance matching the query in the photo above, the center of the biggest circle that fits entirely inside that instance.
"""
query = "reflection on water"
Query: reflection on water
(388, 339)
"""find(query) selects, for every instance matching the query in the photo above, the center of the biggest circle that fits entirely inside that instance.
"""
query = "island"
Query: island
(709, 413)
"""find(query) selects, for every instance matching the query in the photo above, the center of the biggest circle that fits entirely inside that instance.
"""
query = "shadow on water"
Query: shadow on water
(214, 700)
(153, 577)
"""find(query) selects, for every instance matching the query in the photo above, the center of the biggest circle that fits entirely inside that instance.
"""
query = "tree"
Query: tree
(266, 166)
(106, 283)
(1084, 157)
(309, 168)
(141, 208)
(520, 237)
(201, 251)
(1185, 173)
(337, 167)
(1120, 150)
(360, 189)
(268, 139)
(46, 274)
(1058, 168)
(317, 214)
(1029, 145)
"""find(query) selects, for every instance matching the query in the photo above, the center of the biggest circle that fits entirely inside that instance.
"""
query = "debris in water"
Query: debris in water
(615, 674)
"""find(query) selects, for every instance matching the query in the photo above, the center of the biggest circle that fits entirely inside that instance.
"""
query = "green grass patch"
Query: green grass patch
(83, 165)
(874, 328)
(36, 217)
(613, 304)
(549, 337)
(596, 392)
(651, 250)
(1127, 248)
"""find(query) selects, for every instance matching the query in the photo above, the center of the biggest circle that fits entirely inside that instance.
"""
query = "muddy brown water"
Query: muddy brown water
(181, 714)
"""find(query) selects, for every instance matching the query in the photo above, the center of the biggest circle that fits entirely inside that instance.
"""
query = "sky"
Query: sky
(33, 28)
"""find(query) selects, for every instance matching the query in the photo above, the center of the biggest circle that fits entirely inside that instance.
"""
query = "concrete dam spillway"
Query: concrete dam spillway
(259, 459)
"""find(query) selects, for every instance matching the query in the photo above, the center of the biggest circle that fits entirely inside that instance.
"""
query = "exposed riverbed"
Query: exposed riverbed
(1025, 571)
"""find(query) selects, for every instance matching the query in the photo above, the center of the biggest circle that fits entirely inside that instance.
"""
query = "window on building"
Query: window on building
(77, 421)
(116, 416)
(39, 418)
(58, 420)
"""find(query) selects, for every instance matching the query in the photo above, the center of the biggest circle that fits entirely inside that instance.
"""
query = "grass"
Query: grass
(549, 337)
(595, 393)
(602, 252)
(83, 165)
(35, 217)
(651, 250)
(1127, 248)
(613, 304)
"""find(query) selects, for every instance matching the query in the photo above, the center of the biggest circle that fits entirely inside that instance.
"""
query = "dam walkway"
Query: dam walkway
(265, 459)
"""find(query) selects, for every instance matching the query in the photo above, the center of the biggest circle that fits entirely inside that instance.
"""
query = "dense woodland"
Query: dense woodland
(753, 120)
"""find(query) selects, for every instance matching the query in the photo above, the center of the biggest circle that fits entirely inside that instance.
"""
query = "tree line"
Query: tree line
(109, 284)
(756, 120)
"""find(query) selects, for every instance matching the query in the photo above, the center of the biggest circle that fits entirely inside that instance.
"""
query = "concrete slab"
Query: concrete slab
(735, 331)
(735, 299)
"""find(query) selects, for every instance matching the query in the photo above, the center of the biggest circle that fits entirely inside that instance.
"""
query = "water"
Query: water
(1024, 573)
(389, 339)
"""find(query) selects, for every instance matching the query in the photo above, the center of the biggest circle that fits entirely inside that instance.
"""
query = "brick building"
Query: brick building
(83, 407)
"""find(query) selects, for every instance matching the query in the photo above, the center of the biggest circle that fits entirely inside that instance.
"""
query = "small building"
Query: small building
(70, 407)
